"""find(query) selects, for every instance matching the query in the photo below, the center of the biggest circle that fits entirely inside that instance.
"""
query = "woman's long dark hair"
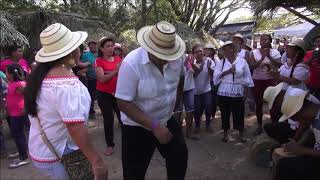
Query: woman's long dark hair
(16, 71)
(33, 87)
(300, 56)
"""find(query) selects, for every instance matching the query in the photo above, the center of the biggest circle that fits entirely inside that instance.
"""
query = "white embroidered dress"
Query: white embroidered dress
(232, 85)
(60, 101)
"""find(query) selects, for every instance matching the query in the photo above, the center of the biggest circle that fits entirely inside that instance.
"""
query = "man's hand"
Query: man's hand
(162, 133)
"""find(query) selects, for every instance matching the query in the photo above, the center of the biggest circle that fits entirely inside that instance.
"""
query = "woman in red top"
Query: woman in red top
(107, 67)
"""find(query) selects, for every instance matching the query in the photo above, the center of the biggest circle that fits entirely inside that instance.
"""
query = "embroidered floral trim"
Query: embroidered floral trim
(40, 160)
(53, 83)
(60, 77)
(69, 121)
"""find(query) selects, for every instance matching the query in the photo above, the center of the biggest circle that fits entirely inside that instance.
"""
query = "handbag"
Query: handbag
(75, 163)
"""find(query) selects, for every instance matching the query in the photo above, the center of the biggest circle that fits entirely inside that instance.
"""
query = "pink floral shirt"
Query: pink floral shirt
(22, 62)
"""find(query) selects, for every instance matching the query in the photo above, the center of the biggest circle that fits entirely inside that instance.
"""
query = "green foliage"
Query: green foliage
(18, 5)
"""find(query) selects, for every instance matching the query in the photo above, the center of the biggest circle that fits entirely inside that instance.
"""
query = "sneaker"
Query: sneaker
(13, 156)
(17, 163)
(109, 151)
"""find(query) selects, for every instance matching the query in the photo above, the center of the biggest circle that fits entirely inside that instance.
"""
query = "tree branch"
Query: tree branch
(285, 6)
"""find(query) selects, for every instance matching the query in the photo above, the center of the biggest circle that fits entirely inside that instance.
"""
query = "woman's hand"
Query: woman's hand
(274, 74)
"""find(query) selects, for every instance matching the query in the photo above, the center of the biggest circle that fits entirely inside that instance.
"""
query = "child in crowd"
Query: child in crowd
(3, 114)
(15, 110)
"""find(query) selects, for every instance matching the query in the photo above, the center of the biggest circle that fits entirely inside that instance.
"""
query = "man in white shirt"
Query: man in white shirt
(149, 81)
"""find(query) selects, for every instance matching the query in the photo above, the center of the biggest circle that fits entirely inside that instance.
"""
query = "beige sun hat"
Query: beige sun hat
(239, 36)
(226, 43)
(162, 41)
(271, 93)
(296, 42)
(58, 41)
(209, 46)
(292, 102)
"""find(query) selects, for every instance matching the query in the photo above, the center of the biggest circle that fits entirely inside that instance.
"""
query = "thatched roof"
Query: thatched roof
(32, 23)
(260, 6)
(9, 35)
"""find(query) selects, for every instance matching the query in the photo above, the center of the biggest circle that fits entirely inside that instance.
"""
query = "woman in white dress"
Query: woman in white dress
(232, 75)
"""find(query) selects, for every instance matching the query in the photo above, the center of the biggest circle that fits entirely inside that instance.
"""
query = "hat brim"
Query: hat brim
(78, 38)
(240, 37)
(291, 106)
(295, 45)
(227, 44)
(276, 90)
(168, 54)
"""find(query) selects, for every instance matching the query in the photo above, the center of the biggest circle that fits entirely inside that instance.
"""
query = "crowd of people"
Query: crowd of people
(148, 89)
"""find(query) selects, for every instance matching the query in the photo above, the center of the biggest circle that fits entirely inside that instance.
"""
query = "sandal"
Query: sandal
(258, 131)
(225, 139)
(243, 140)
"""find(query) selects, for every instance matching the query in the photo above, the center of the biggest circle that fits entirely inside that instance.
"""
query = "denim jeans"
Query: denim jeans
(54, 170)
(203, 102)
(17, 125)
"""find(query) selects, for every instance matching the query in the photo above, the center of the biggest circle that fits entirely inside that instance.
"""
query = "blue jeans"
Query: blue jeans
(203, 102)
(187, 101)
(17, 125)
(55, 170)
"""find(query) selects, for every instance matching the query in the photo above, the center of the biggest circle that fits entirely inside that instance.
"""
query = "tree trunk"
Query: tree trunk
(221, 23)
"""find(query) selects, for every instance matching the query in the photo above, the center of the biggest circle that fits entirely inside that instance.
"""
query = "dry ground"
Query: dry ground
(209, 158)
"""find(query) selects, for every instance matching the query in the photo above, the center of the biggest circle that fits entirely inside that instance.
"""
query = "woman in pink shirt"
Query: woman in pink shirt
(15, 109)
(16, 56)
(262, 61)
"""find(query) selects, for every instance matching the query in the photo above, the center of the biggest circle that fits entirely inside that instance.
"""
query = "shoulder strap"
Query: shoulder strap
(224, 60)
(45, 139)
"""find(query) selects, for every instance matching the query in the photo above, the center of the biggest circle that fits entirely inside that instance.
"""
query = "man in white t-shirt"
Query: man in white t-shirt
(149, 82)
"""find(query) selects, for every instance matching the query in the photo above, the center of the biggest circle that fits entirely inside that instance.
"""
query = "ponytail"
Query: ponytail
(299, 59)
(16, 71)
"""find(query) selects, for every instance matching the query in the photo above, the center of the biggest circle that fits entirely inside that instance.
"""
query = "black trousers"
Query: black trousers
(108, 105)
(298, 168)
(234, 105)
(17, 125)
(138, 145)
(92, 83)
(279, 131)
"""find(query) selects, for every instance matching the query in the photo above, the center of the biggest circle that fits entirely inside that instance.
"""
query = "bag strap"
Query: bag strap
(45, 139)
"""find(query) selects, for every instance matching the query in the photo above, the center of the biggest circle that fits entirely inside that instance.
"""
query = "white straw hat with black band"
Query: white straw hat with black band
(162, 41)
(58, 41)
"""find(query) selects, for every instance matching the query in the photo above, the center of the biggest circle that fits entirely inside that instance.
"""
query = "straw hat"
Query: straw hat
(297, 43)
(239, 36)
(58, 41)
(227, 43)
(271, 93)
(162, 41)
(209, 46)
(292, 102)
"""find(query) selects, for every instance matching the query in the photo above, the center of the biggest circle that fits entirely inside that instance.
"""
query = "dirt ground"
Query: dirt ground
(209, 157)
